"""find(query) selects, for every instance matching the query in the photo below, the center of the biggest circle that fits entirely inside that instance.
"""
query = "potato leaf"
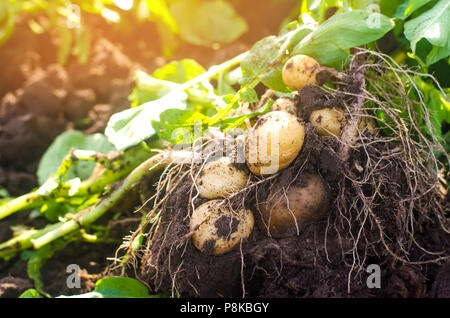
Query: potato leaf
(408, 7)
(133, 125)
(61, 146)
(433, 25)
(116, 287)
(329, 42)
(266, 58)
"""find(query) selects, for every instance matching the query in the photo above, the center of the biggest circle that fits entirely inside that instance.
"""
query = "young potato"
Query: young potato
(284, 214)
(274, 143)
(300, 70)
(370, 124)
(284, 104)
(328, 121)
(218, 229)
(220, 178)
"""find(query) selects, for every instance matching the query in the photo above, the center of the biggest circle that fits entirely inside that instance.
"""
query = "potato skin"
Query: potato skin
(284, 104)
(285, 132)
(328, 121)
(305, 203)
(300, 70)
(220, 178)
(217, 229)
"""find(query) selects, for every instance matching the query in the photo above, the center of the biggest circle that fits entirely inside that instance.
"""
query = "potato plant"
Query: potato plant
(342, 169)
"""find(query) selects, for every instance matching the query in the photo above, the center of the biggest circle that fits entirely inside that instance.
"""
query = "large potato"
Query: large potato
(284, 214)
(220, 178)
(218, 229)
(300, 70)
(274, 143)
(328, 121)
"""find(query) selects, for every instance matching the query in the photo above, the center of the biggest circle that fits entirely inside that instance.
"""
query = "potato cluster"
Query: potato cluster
(271, 145)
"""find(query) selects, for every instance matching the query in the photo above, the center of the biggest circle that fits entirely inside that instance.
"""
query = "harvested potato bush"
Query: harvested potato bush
(330, 204)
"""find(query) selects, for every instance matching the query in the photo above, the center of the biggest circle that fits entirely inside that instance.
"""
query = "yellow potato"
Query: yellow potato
(284, 104)
(300, 70)
(284, 214)
(274, 143)
(328, 122)
(220, 178)
(218, 229)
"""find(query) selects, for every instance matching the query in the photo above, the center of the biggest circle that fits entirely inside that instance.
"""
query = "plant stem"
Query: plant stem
(125, 163)
(90, 215)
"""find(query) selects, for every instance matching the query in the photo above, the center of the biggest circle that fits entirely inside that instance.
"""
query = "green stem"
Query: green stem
(125, 163)
(88, 216)
(23, 241)
(26, 201)
(213, 71)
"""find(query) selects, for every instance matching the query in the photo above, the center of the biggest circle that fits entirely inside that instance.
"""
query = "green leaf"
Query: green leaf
(37, 259)
(31, 293)
(61, 146)
(131, 126)
(179, 71)
(116, 287)
(329, 42)
(162, 81)
(267, 57)
(433, 25)
(250, 96)
(408, 7)
(208, 23)
(177, 125)
(148, 88)
(437, 53)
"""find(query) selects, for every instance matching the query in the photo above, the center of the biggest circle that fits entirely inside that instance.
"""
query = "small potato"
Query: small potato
(274, 143)
(328, 122)
(370, 124)
(282, 214)
(300, 70)
(284, 104)
(220, 178)
(218, 229)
